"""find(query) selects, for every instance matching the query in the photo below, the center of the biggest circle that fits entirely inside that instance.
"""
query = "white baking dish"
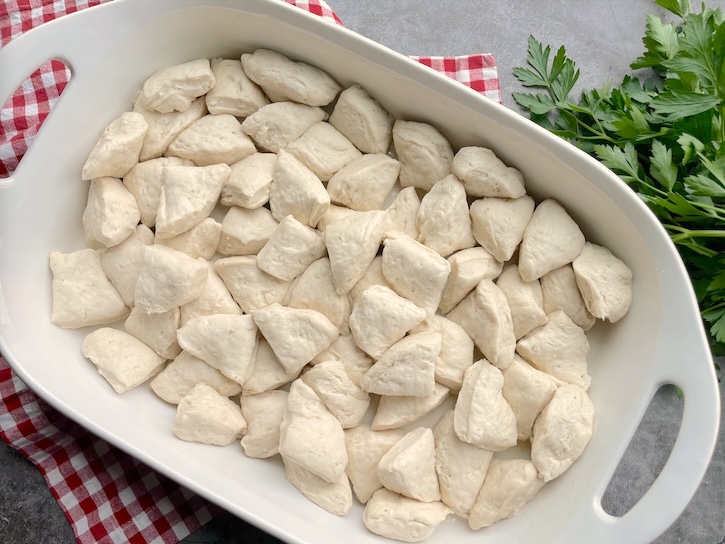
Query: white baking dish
(112, 49)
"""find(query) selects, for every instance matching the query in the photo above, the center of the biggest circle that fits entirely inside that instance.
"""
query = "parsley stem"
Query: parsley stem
(686, 234)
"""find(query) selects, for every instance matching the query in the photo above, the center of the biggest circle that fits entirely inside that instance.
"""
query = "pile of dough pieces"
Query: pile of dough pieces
(286, 257)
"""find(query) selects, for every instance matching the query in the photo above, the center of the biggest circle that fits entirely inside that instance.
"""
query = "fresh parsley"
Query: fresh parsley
(662, 135)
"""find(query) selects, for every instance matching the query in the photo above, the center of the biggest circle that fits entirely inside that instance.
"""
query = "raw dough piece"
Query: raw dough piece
(201, 240)
(118, 148)
(396, 412)
(165, 127)
(561, 292)
(359, 117)
(249, 181)
(604, 281)
(305, 417)
(122, 262)
(233, 92)
(424, 153)
(345, 400)
(323, 150)
(562, 431)
(551, 239)
(365, 183)
(558, 348)
(297, 191)
(365, 448)
(178, 378)
(111, 214)
(482, 415)
(525, 300)
(380, 318)
(468, 268)
(251, 287)
(158, 331)
(332, 215)
(122, 359)
(291, 248)
(82, 294)
(484, 175)
(352, 243)
(268, 372)
(403, 212)
(174, 88)
(372, 276)
(245, 232)
(345, 350)
(335, 497)
(263, 413)
(499, 224)
(415, 271)
(283, 79)
(294, 335)
(409, 467)
(213, 139)
(393, 516)
(444, 223)
(486, 317)
(205, 416)
(275, 125)
(215, 298)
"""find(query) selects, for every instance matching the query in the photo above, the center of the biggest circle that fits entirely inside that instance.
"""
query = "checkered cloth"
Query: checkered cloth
(108, 496)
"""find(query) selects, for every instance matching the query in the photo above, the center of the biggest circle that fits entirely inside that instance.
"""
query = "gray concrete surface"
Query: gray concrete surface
(603, 37)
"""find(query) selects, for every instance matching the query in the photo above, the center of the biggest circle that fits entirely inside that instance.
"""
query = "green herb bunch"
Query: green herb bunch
(662, 135)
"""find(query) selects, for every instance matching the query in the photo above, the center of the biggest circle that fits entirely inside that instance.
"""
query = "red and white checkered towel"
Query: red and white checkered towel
(108, 496)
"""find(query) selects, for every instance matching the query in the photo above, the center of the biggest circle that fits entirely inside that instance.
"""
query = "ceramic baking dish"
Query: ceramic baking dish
(113, 48)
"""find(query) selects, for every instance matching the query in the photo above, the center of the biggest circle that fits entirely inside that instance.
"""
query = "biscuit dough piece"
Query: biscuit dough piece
(315, 289)
(362, 120)
(562, 431)
(225, 342)
(468, 268)
(424, 154)
(444, 222)
(188, 195)
(295, 335)
(372, 276)
(499, 224)
(245, 232)
(409, 467)
(305, 417)
(233, 92)
(380, 318)
(82, 294)
(486, 317)
(604, 281)
(251, 287)
(174, 88)
(117, 150)
(482, 416)
(215, 298)
(407, 368)
(323, 150)
(205, 416)
(168, 279)
(551, 239)
(249, 181)
(275, 125)
(528, 391)
(484, 175)
(509, 485)
(525, 300)
(111, 213)
(213, 139)
(145, 180)
(456, 353)
(365, 183)
(345, 400)
(396, 412)
(461, 467)
(415, 271)
(332, 215)
(268, 373)
(122, 359)
(165, 127)
(365, 448)
(345, 350)
(178, 378)
(352, 243)
(157, 331)
(283, 79)
(403, 212)
(335, 497)
(561, 292)
(291, 248)
(394, 516)
(122, 262)
(263, 413)
(558, 348)
(297, 191)
(201, 240)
